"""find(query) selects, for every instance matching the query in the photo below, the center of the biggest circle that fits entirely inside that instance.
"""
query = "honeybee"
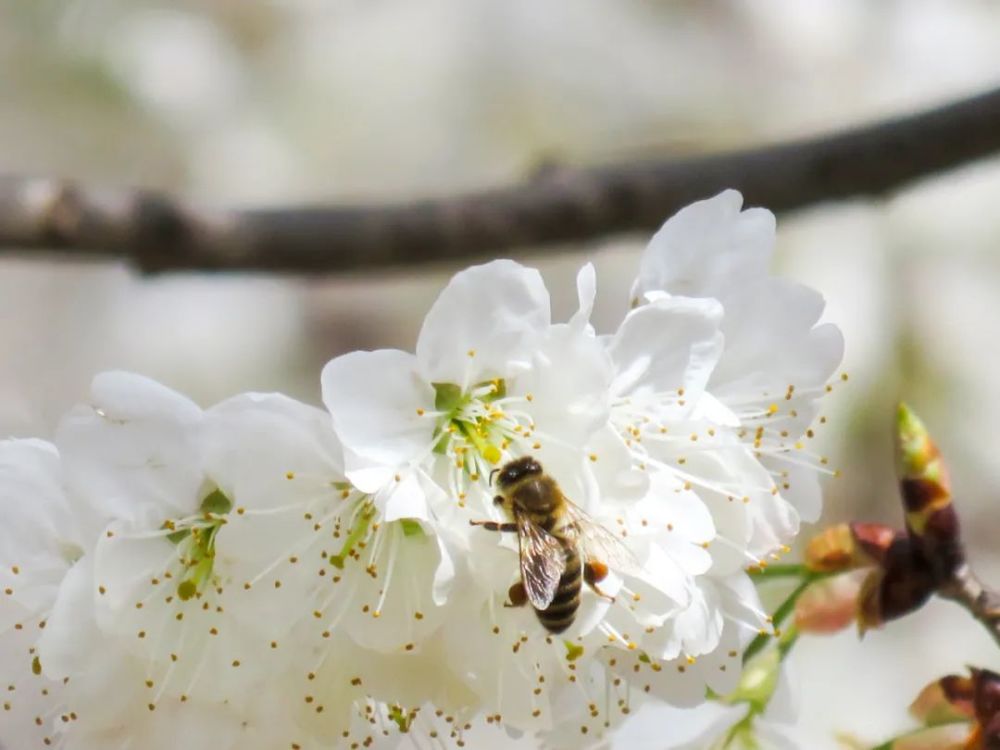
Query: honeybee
(561, 547)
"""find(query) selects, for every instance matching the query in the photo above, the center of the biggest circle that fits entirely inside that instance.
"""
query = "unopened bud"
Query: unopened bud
(902, 584)
(944, 737)
(919, 457)
(943, 701)
(990, 735)
(986, 697)
(829, 605)
(849, 546)
(926, 491)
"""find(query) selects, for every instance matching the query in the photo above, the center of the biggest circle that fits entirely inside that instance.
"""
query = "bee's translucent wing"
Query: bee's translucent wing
(600, 544)
(542, 561)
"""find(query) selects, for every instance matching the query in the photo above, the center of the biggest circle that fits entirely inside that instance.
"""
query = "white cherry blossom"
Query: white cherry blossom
(39, 546)
(612, 419)
(266, 574)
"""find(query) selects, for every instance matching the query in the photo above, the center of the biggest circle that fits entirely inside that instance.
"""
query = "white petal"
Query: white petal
(689, 727)
(123, 567)
(444, 576)
(666, 345)
(133, 450)
(39, 536)
(568, 384)
(70, 634)
(615, 478)
(708, 249)
(586, 292)
(663, 574)
(128, 396)
(379, 403)
(484, 319)
(803, 490)
(383, 610)
(404, 498)
(256, 444)
(771, 341)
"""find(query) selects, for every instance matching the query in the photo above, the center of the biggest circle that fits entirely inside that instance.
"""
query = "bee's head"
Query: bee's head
(514, 471)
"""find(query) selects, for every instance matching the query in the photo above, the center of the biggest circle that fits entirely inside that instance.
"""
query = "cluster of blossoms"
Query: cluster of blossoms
(265, 574)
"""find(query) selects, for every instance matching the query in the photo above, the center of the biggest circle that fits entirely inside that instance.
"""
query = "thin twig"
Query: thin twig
(155, 232)
(982, 603)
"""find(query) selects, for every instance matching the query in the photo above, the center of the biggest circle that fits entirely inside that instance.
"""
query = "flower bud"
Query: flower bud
(899, 586)
(990, 735)
(926, 493)
(829, 605)
(946, 700)
(986, 697)
(848, 546)
(944, 737)
(954, 699)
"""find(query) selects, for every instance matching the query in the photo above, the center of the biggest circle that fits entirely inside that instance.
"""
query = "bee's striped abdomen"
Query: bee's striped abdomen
(561, 612)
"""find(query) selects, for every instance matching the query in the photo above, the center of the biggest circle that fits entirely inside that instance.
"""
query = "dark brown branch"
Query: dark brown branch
(156, 232)
(982, 603)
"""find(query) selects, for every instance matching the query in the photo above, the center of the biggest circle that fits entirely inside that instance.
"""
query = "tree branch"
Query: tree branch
(982, 603)
(156, 232)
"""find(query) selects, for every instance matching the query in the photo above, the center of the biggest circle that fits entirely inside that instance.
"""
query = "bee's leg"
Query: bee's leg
(593, 573)
(517, 595)
(494, 526)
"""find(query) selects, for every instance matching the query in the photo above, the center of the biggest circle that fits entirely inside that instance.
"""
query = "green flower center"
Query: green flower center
(474, 429)
(195, 542)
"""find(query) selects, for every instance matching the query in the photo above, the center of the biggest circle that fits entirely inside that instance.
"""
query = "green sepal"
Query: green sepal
(216, 503)
(411, 527)
(178, 536)
(447, 396)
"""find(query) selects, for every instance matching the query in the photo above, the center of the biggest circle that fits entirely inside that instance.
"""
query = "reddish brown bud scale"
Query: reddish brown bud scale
(870, 602)
(848, 547)
(955, 698)
(875, 540)
(990, 735)
(960, 692)
(945, 700)
(832, 550)
(986, 699)
(921, 497)
(900, 586)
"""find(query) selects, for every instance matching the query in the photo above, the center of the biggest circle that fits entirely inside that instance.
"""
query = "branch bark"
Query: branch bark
(156, 232)
(967, 590)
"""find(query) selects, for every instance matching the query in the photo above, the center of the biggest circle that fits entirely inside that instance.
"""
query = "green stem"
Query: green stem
(779, 571)
(780, 615)
(743, 725)
(788, 638)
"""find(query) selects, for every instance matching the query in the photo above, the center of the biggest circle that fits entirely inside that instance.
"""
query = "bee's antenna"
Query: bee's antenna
(492, 473)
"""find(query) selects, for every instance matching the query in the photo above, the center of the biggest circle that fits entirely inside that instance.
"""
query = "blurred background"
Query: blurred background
(257, 103)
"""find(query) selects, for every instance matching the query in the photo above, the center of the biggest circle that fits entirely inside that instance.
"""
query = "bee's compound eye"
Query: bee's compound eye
(498, 500)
